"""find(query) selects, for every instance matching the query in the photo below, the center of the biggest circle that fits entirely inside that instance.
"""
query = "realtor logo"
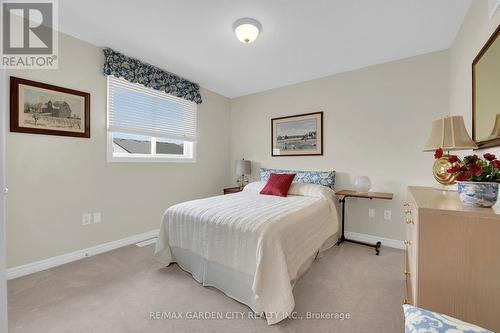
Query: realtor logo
(29, 34)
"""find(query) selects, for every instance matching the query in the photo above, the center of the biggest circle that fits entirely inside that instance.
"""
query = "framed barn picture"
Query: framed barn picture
(300, 135)
(41, 108)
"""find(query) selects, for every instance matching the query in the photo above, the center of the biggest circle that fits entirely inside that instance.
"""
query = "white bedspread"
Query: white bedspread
(266, 236)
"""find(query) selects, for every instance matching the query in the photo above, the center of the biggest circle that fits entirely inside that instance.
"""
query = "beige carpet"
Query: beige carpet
(116, 291)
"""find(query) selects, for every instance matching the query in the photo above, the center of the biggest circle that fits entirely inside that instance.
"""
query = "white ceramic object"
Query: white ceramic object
(362, 184)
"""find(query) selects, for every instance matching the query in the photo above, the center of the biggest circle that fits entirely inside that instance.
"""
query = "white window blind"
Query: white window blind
(135, 109)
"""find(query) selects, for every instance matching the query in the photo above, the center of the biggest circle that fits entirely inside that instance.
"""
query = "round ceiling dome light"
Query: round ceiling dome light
(247, 29)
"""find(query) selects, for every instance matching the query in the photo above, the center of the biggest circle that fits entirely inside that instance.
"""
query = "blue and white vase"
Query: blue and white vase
(479, 194)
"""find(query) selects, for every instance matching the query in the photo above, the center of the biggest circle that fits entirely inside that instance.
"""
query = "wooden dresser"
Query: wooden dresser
(453, 257)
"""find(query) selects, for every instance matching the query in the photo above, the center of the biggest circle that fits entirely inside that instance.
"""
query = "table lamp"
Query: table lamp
(448, 133)
(243, 168)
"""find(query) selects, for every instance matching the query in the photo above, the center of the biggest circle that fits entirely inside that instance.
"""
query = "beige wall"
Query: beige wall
(475, 31)
(376, 121)
(53, 180)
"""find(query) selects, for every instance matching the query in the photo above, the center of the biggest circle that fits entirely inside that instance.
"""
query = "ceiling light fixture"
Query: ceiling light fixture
(247, 29)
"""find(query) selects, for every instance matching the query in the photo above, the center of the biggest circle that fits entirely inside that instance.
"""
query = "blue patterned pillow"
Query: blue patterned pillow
(418, 320)
(325, 178)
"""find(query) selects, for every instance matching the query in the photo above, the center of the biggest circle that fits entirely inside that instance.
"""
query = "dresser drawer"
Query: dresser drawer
(411, 244)
(409, 291)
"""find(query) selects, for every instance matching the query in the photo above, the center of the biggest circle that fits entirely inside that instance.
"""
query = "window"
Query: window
(149, 125)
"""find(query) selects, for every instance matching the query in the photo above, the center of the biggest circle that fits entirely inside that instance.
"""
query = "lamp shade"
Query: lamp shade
(449, 133)
(243, 167)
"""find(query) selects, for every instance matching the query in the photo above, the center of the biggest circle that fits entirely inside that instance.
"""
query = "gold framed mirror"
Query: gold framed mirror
(486, 93)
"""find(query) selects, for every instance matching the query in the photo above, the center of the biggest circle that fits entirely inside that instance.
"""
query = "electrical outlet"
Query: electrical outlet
(97, 217)
(86, 219)
(371, 212)
(387, 214)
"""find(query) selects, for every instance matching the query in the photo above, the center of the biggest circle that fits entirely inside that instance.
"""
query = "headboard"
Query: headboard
(325, 178)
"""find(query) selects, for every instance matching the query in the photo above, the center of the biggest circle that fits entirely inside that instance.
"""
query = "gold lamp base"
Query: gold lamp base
(440, 171)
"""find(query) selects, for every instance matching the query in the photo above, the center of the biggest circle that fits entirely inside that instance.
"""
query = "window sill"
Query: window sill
(120, 159)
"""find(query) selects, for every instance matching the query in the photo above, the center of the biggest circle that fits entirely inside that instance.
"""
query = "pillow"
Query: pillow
(421, 320)
(325, 178)
(254, 187)
(300, 189)
(278, 184)
(311, 190)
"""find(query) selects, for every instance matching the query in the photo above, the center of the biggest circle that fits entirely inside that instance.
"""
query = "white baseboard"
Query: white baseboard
(148, 242)
(397, 244)
(44, 264)
(146, 237)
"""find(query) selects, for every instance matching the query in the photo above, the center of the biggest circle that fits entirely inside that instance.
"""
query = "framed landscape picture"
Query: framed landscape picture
(41, 108)
(300, 135)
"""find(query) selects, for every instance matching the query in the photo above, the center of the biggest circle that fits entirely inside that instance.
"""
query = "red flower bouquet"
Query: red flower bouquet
(474, 168)
(478, 178)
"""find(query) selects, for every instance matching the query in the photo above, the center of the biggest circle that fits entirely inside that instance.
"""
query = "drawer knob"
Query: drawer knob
(407, 242)
(409, 220)
(406, 273)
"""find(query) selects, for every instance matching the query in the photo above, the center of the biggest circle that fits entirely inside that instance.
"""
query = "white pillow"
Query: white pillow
(254, 187)
(304, 189)
(311, 190)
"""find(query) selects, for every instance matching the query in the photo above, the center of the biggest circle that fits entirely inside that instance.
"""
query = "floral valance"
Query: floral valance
(135, 71)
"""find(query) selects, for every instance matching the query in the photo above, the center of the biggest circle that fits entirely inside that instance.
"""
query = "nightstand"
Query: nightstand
(231, 190)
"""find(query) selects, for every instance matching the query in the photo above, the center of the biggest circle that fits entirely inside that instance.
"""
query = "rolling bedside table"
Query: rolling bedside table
(353, 194)
(230, 190)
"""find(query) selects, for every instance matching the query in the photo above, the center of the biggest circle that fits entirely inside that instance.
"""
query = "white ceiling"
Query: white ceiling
(301, 39)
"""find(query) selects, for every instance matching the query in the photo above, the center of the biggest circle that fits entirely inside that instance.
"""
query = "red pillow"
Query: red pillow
(278, 184)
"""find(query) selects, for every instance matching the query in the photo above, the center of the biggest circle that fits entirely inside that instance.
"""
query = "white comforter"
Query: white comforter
(266, 236)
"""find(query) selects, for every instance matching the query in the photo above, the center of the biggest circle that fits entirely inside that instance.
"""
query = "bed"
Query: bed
(253, 247)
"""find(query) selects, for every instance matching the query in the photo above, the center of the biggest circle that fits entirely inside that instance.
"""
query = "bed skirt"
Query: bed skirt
(234, 284)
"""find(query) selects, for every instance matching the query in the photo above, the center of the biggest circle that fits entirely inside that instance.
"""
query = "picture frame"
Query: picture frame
(297, 135)
(485, 100)
(40, 108)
